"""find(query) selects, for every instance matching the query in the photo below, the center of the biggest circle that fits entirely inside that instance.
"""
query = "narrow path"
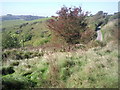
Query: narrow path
(99, 35)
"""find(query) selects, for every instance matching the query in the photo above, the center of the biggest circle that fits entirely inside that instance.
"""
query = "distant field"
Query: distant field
(10, 23)
(42, 19)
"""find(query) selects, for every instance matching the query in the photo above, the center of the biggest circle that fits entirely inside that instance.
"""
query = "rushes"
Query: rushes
(53, 77)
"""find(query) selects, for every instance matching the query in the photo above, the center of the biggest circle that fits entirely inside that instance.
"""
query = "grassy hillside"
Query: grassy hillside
(11, 23)
(94, 68)
(33, 33)
(94, 65)
(110, 30)
(20, 17)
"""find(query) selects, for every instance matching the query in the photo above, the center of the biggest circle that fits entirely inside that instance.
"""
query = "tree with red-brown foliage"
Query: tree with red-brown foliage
(70, 24)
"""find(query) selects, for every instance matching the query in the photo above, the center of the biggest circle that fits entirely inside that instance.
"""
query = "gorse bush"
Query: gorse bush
(7, 70)
(10, 41)
(18, 54)
(14, 83)
(41, 41)
(70, 24)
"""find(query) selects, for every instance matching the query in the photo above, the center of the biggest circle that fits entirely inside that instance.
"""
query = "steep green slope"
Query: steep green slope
(28, 33)
(11, 23)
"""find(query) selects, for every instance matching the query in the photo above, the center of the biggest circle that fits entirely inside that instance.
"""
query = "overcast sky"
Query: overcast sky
(45, 8)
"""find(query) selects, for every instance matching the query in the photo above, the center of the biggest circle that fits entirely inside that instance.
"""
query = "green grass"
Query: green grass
(94, 68)
(35, 28)
(11, 23)
(109, 31)
(42, 19)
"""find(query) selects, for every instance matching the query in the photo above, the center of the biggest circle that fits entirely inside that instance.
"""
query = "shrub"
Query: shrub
(70, 24)
(14, 63)
(10, 41)
(41, 41)
(28, 37)
(16, 83)
(7, 70)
